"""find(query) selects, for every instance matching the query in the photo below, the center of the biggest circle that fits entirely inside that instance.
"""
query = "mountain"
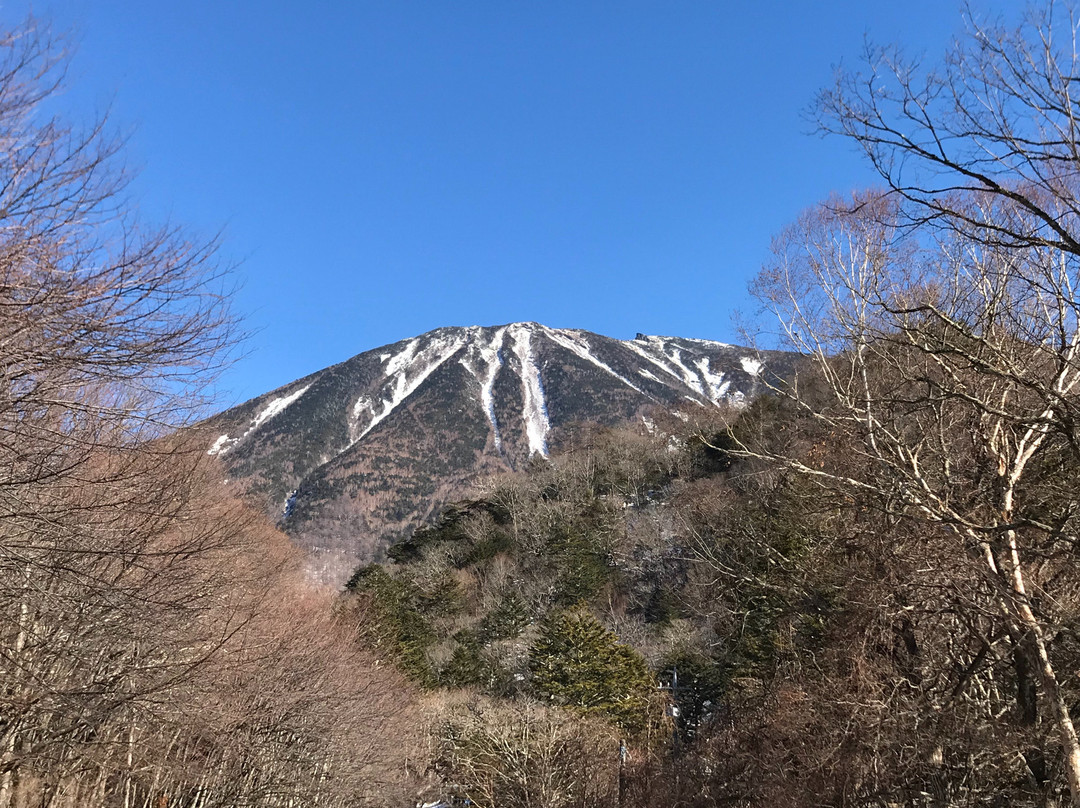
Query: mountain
(351, 458)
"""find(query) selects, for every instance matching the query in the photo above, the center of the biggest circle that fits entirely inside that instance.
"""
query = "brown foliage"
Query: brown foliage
(157, 646)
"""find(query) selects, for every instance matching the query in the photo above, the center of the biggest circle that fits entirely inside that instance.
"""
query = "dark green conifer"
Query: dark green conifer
(578, 663)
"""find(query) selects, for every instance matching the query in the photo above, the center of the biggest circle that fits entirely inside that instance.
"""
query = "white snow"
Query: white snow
(647, 375)
(485, 368)
(751, 366)
(221, 444)
(405, 372)
(537, 425)
(710, 342)
(662, 362)
(671, 362)
(668, 355)
(693, 381)
(574, 343)
(275, 407)
(715, 381)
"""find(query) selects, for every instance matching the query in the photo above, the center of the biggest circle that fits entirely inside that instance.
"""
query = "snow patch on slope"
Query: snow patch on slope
(574, 343)
(673, 356)
(405, 372)
(275, 407)
(661, 362)
(646, 374)
(709, 342)
(750, 366)
(485, 368)
(669, 359)
(535, 413)
(717, 387)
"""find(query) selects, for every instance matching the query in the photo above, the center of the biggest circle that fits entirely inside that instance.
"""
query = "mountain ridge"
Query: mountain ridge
(351, 457)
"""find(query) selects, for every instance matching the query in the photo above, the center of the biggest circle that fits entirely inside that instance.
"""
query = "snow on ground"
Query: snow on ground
(668, 358)
(710, 342)
(222, 444)
(405, 372)
(667, 354)
(688, 376)
(662, 363)
(572, 342)
(717, 387)
(649, 376)
(485, 368)
(751, 366)
(537, 425)
(275, 407)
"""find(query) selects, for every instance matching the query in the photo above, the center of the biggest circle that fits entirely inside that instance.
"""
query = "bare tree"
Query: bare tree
(525, 754)
(996, 118)
(943, 319)
(156, 646)
(949, 366)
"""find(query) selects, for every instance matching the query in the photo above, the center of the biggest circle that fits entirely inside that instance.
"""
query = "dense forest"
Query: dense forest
(816, 649)
(861, 589)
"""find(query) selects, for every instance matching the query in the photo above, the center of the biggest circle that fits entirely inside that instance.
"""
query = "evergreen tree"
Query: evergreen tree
(578, 663)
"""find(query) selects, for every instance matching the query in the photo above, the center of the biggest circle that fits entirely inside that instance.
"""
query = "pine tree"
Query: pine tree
(578, 663)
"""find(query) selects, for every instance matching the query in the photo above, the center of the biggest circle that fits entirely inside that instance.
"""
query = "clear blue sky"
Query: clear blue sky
(384, 168)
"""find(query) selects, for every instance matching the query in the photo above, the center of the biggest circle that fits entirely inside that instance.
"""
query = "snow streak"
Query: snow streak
(573, 342)
(405, 372)
(715, 381)
(537, 425)
(669, 363)
(698, 375)
(490, 356)
(275, 407)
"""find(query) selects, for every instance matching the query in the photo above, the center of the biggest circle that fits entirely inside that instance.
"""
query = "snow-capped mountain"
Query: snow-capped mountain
(352, 457)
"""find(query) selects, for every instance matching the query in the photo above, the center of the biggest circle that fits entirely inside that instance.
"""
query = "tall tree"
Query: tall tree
(943, 320)
(144, 657)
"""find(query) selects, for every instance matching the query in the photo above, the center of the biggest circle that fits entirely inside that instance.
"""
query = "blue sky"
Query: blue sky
(383, 168)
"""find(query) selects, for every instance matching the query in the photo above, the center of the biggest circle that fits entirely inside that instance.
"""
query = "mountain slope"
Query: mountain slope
(352, 457)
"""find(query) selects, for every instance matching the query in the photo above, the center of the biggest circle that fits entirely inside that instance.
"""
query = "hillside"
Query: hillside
(353, 457)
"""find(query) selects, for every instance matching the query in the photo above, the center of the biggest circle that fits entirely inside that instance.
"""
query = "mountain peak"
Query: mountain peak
(352, 456)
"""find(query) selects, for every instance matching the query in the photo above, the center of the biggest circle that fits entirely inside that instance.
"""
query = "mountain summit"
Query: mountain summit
(350, 458)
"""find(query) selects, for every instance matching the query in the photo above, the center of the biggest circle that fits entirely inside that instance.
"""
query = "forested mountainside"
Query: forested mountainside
(753, 636)
(351, 458)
